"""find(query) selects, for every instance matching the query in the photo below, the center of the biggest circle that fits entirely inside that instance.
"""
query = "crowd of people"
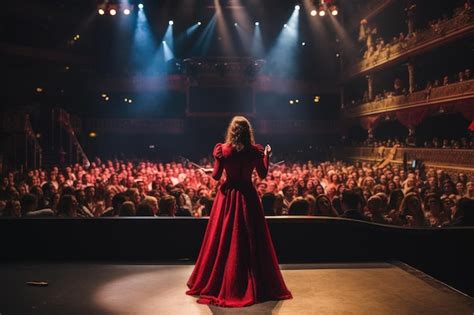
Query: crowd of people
(376, 45)
(435, 143)
(400, 89)
(389, 195)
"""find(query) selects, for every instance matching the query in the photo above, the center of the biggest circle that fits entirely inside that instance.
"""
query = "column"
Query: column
(370, 86)
(411, 76)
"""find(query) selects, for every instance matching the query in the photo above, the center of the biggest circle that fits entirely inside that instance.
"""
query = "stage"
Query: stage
(114, 288)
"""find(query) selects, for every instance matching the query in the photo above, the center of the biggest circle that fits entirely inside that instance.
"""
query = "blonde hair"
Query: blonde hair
(239, 133)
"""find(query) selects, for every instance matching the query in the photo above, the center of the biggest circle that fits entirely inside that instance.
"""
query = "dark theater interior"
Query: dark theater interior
(237, 157)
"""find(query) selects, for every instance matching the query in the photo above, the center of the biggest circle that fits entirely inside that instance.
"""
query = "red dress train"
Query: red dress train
(237, 265)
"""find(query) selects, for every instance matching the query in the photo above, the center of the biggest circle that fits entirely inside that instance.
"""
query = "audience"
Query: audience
(361, 191)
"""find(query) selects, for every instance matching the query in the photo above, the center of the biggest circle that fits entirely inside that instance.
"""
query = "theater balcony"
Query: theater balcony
(454, 162)
(448, 30)
(460, 94)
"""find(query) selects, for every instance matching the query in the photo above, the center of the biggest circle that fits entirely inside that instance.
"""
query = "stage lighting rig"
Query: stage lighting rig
(323, 7)
(114, 8)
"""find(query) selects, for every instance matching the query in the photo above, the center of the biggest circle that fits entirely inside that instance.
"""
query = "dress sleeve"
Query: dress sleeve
(262, 162)
(218, 165)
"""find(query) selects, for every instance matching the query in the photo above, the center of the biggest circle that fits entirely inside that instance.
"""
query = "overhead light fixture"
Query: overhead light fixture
(171, 22)
(257, 23)
(322, 13)
(126, 11)
(314, 12)
(140, 6)
(199, 23)
(101, 11)
(297, 7)
(334, 10)
(112, 12)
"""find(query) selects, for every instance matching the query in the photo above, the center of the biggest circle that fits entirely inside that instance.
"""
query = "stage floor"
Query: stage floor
(100, 288)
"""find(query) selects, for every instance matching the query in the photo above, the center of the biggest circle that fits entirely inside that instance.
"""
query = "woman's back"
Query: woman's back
(239, 165)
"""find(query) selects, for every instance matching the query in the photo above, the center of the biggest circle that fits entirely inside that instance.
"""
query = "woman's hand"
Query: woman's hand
(268, 150)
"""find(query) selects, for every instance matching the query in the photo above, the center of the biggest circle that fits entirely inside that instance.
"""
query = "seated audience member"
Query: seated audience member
(205, 206)
(117, 202)
(376, 211)
(167, 207)
(144, 210)
(433, 211)
(470, 190)
(464, 215)
(411, 213)
(299, 206)
(278, 206)
(268, 202)
(82, 210)
(311, 202)
(29, 207)
(351, 204)
(288, 197)
(153, 203)
(324, 207)
(127, 209)
(448, 205)
(182, 209)
(67, 206)
(12, 209)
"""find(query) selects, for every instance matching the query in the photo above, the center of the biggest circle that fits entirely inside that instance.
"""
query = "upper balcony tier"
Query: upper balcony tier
(446, 31)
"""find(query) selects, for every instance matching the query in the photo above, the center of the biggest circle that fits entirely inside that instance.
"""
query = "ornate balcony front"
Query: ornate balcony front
(452, 160)
(447, 94)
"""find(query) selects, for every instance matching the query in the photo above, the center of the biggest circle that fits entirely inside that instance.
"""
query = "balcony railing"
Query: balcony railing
(443, 94)
(461, 23)
(456, 160)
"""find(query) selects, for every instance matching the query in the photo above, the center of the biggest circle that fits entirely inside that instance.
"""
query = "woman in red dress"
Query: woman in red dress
(237, 265)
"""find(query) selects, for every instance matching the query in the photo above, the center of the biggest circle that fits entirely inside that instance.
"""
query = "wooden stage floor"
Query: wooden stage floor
(106, 288)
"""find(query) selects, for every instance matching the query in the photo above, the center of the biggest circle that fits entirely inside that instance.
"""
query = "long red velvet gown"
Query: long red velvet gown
(237, 265)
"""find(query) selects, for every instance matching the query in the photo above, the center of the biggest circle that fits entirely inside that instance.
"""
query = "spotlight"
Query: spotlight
(297, 7)
(130, 101)
(334, 10)
(257, 23)
(291, 102)
(126, 11)
(39, 89)
(107, 99)
(236, 24)
(92, 134)
(113, 12)
(104, 95)
(101, 12)
(140, 6)
(171, 22)
(314, 12)
(303, 43)
(322, 13)
(337, 55)
(164, 42)
(297, 101)
(199, 23)
(285, 25)
(316, 99)
(125, 100)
